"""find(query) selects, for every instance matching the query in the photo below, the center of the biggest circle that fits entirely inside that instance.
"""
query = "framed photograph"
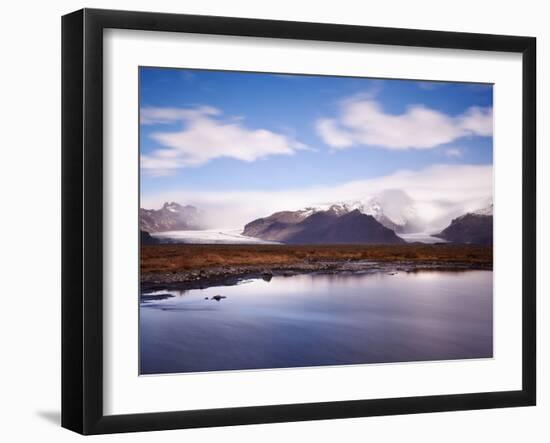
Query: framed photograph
(268, 221)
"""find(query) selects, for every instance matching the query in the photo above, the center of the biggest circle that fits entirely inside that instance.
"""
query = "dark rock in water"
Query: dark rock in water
(148, 297)
(267, 276)
(206, 298)
(218, 297)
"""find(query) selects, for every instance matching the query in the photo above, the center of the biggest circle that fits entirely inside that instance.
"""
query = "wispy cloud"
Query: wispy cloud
(453, 152)
(439, 192)
(205, 136)
(153, 116)
(363, 122)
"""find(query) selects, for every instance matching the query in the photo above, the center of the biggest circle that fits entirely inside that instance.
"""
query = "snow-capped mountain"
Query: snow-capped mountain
(475, 227)
(484, 211)
(171, 217)
(394, 209)
(336, 224)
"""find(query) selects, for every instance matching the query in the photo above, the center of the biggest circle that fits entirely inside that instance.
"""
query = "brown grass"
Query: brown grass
(176, 258)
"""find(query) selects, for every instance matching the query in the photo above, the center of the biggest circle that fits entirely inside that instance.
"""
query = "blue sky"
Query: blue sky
(218, 132)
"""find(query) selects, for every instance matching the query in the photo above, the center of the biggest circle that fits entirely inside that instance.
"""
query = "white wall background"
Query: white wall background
(30, 219)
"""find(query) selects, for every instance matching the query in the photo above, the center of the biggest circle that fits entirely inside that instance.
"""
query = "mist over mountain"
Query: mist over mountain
(171, 217)
(396, 210)
(393, 209)
(407, 201)
(334, 225)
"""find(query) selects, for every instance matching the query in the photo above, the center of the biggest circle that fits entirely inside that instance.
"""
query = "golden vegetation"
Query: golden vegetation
(185, 257)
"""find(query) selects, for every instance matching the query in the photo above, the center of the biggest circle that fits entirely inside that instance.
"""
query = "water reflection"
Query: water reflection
(312, 320)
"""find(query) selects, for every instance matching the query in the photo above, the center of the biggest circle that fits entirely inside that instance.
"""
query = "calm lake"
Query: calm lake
(312, 320)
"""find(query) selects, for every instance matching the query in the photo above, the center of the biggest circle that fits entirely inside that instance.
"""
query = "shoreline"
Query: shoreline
(199, 266)
(229, 276)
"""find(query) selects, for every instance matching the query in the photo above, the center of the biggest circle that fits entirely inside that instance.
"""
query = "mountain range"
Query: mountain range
(376, 221)
(171, 217)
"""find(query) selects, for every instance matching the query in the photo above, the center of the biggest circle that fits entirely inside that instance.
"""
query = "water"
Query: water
(313, 320)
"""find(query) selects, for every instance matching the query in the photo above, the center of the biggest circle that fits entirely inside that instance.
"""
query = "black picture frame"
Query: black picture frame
(82, 219)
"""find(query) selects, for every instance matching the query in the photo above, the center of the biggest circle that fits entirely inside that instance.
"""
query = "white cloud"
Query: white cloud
(152, 115)
(478, 121)
(439, 192)
(363, 122)
(205, 136)
(332, 135)
(453, 152)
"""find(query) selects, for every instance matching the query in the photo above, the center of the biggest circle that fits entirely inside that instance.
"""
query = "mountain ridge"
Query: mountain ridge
(475, 227)
(170, 217)
(321, 226)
